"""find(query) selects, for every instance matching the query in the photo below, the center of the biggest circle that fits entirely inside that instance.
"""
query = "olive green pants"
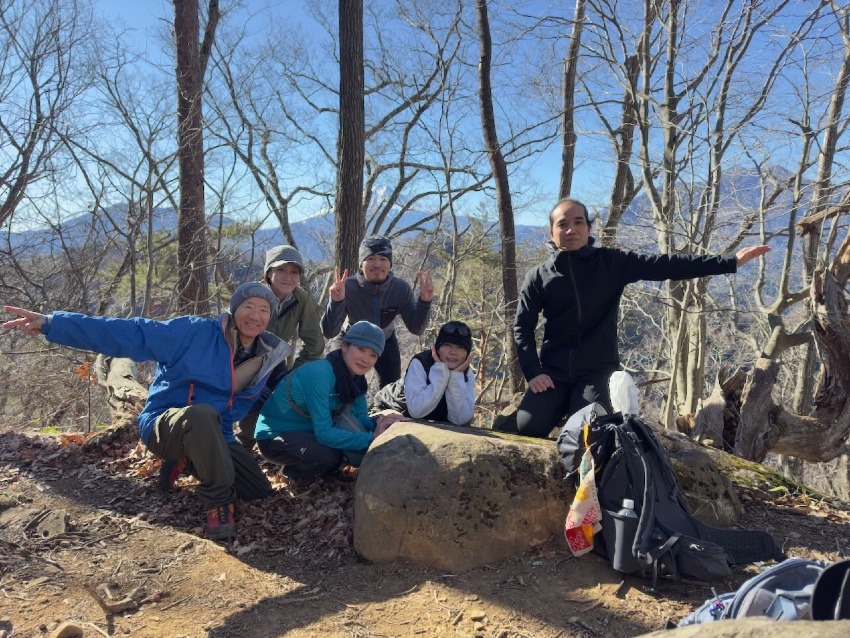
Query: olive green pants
(226, 471)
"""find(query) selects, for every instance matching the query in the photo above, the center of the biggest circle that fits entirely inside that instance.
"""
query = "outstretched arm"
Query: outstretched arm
(29, 322)
(746, 255)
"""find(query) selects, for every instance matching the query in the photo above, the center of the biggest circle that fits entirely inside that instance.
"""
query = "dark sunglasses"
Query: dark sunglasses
(452, 328)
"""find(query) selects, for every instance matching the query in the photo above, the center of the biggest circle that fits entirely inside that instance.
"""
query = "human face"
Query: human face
(376, 268)
(251, 319)
(358, 359)
(283, 279)
(452, 355)
(569, 230)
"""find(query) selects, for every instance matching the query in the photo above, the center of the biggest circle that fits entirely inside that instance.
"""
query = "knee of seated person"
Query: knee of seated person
(202, 415)
(528, 425)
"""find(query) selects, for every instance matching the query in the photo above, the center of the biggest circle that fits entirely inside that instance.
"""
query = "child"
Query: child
(438, 384)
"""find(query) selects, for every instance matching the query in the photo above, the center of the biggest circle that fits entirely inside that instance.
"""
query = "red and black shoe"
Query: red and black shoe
(170, 472)
(221, 521)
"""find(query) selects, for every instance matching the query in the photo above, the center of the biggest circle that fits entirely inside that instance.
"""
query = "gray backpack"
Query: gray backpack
(783, 592)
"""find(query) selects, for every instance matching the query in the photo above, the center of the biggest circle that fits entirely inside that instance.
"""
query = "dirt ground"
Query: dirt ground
(89, 540)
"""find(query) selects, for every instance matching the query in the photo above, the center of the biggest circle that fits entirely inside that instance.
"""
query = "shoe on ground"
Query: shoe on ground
(221, 522)
(170, 472)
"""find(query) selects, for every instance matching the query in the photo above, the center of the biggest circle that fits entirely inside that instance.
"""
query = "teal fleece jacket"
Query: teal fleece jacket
(312, 388)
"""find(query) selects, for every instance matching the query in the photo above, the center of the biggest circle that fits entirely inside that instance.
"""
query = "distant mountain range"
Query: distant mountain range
(314, 235)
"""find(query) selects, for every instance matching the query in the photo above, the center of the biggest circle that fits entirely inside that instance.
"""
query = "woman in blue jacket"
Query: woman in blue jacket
(317, 416)
(209, 372)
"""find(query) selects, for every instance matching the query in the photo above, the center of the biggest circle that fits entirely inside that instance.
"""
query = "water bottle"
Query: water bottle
(621, 537)
(628, 510)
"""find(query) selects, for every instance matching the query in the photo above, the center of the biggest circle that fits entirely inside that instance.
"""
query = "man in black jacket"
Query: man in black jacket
(578, 290)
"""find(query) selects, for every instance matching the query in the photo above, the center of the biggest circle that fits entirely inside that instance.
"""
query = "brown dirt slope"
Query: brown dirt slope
(88, 540)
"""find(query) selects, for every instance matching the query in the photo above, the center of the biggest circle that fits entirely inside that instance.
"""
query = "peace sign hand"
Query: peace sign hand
(337, 289)
(426, 285)
(29, 322)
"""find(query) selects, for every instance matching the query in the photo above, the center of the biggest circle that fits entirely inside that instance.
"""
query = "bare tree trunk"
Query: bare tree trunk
(350, 217)
(624, 182)
(503, 193)
(191, 226)
(568, 135)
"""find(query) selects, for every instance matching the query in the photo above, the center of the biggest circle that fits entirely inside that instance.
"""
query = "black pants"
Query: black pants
(227, 471)
(302, 456)
(248, 423)
(539, 413)
(388, 365)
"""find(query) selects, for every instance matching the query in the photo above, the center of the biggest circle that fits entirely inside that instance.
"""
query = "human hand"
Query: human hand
(29, 322)
(434, 354)
(337, 289)
(383, 423)
(748, 254)
(541, 383)
(426, 285)
(463, 367)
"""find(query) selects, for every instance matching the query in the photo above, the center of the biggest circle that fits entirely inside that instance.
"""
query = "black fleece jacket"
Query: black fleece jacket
(579, 293)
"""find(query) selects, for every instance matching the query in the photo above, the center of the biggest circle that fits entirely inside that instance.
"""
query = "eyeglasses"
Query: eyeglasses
(452, 328)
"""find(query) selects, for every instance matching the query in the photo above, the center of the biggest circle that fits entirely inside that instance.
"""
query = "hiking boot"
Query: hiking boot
(221, 522)
(170, 472)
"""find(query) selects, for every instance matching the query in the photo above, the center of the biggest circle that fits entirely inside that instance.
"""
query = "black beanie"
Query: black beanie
(376, 246)
(455, 332)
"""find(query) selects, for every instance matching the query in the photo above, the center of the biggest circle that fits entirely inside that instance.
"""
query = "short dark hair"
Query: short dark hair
(570, 200)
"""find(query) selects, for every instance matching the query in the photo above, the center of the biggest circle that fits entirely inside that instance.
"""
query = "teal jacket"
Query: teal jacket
(312, 389)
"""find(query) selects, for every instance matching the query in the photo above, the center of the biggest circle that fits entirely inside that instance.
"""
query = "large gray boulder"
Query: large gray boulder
(456, 498)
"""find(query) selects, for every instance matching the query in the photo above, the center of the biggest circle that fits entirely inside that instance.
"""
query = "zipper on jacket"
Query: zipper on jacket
(578, 307)
(232, 376)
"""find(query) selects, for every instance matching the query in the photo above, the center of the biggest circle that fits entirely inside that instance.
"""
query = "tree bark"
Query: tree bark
(192, 258)
(568, 134)
(503, 192)
(350, 218)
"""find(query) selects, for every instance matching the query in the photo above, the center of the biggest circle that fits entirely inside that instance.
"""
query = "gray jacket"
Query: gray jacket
(378, 303)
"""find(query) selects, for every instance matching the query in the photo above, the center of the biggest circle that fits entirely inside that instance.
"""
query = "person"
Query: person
(317, 417)
(297, 315)
(578, 290)
(209, 371)
(438, 384)
(375, 294)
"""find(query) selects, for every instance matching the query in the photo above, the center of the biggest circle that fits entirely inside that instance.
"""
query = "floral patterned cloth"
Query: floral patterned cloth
(583, 519)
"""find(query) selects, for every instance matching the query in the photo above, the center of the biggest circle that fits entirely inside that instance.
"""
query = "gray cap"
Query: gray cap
(365, 335)
(280, 255)
(253, 289)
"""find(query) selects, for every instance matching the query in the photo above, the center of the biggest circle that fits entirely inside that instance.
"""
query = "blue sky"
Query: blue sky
(145, 19)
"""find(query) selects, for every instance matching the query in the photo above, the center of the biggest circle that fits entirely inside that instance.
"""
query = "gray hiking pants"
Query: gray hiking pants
(226, 471)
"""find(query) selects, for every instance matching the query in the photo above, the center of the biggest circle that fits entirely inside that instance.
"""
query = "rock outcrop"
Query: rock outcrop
(456, 498)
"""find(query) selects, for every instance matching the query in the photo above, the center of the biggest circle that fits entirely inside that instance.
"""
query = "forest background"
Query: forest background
(452, 127)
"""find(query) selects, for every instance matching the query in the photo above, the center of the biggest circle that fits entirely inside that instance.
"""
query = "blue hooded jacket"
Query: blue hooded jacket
(194, 360)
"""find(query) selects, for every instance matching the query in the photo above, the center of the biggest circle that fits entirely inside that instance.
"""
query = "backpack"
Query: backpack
(664, 539)
(782, 592)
